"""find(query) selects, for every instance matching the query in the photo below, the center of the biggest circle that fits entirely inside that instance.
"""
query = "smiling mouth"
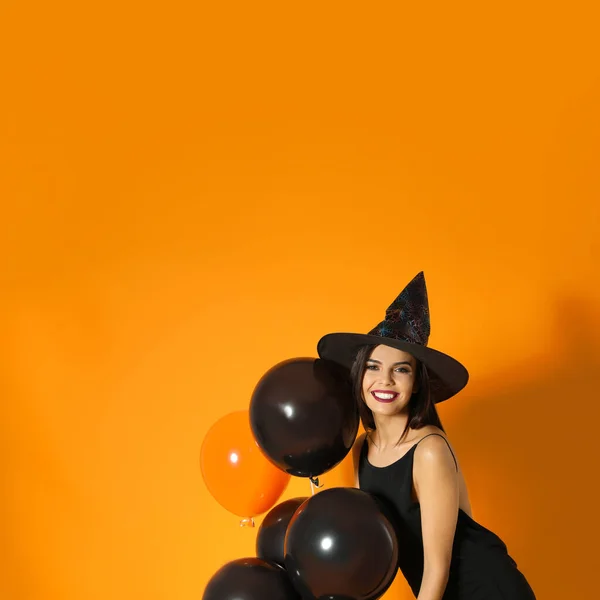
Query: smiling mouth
(382, 396)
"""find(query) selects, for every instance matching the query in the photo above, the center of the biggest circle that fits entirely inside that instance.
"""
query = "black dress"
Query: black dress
(480, 569)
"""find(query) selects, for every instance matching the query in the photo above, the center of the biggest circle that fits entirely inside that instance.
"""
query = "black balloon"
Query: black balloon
(271, 533)
(304, 416)
(250, 579)
(341, 544)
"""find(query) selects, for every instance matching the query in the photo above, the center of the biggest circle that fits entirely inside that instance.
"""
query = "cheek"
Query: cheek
(406, 384)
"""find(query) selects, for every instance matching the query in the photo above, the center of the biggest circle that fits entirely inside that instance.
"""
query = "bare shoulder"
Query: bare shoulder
(436, 468)
(428, 430)
(432, 448)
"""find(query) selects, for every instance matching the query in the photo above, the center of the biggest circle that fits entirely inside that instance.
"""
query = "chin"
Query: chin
(385, 409)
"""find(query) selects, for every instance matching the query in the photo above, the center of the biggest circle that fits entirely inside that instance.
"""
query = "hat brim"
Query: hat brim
(447, 376)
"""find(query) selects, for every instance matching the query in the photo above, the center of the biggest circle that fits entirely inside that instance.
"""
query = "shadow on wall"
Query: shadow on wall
(531, 451)
(526, 440)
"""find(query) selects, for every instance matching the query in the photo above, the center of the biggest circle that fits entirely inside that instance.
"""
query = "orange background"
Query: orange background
(192, 192)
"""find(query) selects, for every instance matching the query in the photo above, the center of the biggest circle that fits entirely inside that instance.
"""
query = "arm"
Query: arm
(437, 488)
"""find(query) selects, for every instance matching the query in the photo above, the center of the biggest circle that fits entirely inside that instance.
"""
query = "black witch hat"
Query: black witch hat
(406, 327)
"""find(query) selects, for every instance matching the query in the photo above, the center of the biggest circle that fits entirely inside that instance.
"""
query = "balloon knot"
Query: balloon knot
(249, 522)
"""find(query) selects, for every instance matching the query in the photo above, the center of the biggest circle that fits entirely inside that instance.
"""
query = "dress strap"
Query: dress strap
(440, 435)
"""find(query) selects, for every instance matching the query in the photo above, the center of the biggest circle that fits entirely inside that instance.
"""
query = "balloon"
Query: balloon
(250, 579)
(271, 533)
(341, 544)
(304, 416)
(236, 472)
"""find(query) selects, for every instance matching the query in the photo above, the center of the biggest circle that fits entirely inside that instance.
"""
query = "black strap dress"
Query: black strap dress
(480, 569)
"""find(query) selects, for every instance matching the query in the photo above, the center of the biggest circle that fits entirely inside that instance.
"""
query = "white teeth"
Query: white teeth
(384, 396)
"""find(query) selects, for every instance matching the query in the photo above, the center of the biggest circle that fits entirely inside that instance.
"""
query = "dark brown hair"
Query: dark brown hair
(421, 407)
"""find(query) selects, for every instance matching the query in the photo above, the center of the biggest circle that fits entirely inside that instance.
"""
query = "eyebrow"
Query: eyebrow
(402, 362)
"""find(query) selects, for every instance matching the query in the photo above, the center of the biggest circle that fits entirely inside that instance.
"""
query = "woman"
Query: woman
(405, 458)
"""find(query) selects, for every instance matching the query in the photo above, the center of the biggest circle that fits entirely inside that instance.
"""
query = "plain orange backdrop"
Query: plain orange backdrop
(192, 192)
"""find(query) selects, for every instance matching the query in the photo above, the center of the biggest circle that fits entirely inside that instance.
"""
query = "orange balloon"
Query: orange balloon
(235, 470)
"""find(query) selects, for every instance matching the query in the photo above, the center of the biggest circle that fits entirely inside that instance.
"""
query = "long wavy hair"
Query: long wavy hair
(421, 408)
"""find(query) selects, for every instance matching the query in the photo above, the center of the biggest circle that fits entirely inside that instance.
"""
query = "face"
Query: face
(389, 380)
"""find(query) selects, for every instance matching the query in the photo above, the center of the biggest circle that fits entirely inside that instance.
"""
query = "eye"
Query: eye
(371, 367)
(403, 370)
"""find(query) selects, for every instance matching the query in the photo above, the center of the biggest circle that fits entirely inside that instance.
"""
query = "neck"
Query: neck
(389, 429)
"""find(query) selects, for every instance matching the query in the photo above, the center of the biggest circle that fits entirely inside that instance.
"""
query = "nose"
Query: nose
(385, 377)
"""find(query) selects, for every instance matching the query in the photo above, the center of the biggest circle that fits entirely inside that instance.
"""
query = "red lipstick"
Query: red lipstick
(385, 396)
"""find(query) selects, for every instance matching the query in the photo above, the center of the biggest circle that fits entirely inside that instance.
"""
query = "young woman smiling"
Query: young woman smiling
(405, 458)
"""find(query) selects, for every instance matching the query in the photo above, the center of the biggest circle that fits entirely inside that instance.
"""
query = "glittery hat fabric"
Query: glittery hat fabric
(406, 326)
